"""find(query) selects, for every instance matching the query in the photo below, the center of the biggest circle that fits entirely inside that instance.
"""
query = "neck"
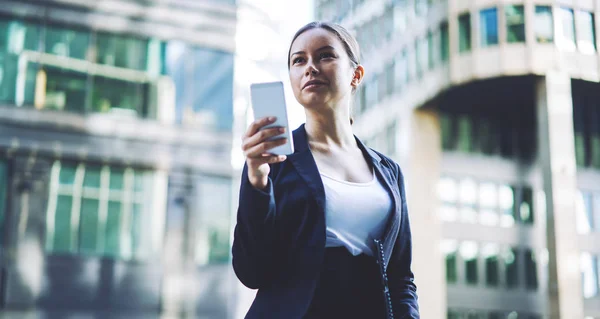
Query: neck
(330, 127)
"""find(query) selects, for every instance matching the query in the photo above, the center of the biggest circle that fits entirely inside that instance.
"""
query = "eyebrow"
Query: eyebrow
(319, 49)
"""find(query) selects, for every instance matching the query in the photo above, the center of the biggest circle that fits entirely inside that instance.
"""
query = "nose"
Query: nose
(311, 70)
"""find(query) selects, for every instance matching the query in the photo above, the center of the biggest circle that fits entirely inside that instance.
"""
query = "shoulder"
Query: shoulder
(389, 163)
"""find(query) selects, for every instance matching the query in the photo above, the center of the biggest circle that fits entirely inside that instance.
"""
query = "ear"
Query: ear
(358, 75)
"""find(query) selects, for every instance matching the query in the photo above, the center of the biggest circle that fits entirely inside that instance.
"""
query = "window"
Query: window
(431, 51)
(464, 32)
(423, 54)
(584, 212)
(448, 194)
(468, 200)
(110, 95)
(214, 220)
(67, 42)
(391, 138)
(526, 206)
(65, 90)
(489, 27)
(531, 279)
(3, 195)
(490, 254)
(515, 23)
(507, 205)
(447, 129)
(100, 210)
(449, 249)
(401, 70)
(511, 267)
(589, 273)
(488, 203)
(486, 138)
(372, 91)
(445, 42)
(465, 134)
(389, 79)
(122, 51)
(468, 252)
(567, 29)
(543, 25)
(586, 34)
(8, 76)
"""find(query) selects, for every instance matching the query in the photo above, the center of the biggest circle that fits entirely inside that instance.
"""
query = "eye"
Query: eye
(297, 60)
(326, 55)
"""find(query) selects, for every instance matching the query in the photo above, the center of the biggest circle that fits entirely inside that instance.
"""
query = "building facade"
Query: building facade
(492, 108)
(116, 190)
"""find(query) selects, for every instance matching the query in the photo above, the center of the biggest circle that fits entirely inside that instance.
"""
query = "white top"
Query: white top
(355, 212)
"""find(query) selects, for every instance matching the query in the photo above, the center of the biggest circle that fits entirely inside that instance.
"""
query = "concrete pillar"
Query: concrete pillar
(557, 156)
(422, 172)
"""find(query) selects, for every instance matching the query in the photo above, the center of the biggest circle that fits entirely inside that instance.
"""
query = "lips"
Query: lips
(313, 82)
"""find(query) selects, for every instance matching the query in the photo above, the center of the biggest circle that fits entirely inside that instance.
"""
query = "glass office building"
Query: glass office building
(492, 109)
(115, 157)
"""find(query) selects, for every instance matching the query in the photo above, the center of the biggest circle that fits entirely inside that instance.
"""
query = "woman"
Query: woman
(323, 233)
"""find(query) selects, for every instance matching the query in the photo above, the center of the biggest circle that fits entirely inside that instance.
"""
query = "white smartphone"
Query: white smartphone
(268, 99)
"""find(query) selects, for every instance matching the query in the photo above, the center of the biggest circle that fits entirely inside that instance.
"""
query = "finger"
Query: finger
(271, 159)
(256, 125)
(261, 136)
(257, 150)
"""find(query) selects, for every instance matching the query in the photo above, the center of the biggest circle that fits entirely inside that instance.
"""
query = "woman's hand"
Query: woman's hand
(256, 147)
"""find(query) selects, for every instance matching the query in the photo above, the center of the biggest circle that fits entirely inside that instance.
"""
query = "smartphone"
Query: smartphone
(268, 99)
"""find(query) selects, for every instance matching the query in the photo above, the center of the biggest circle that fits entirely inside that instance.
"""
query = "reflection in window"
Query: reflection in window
(584, 212)
(543, 25)
(67, 42)
(122, 51)
(445, 41)
(515, 23)
(449, 250)
(507, 201)
(589, 273)
(489, 27)
(567, 29)
(8, 76)
(469, 252)
(490, 254)
(586, 32)
(110, 95)
(111, 207)
(213, 223)
(511, 267)
(464, 32)
(65, 90)
(531, 279)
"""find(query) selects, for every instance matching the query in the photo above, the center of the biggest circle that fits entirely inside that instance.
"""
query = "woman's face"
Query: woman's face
(321, 72)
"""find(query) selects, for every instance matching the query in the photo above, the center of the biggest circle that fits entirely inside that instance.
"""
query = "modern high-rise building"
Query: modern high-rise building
(116, 121)
(492, 108)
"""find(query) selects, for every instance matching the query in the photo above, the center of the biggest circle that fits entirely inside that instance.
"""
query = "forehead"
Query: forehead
(314, 39)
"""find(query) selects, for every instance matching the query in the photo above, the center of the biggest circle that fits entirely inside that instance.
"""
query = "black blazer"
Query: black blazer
(279, 239)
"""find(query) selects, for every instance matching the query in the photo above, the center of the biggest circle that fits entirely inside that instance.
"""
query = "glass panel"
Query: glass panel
(65, 89)
(4, 34)
(584, 212)
(22, 36)
(67, 174)
(530, 270)
(116, 178)
(526, 208)
(567, 27)
(445, 41)
(110, 95)
(488, 202)
(596, 211)
(580, 148)
(113, 230)
(62, 224)
(454, 314)
(507, 205)
(88, 231)
(431, 51)
(515, 23)
(423, 54)
(121, 51)
(465, 134)
(490, 253)
(92, 176)
(419, 59)
(489, 27)
(3, 187)
(213, 237)
(586, 34)
(464, 33)
(66, 42)
(9, 64)
(543, 25)
(511, 267)
(469, 252)
(589, 275)
(486, 137)
(449, 249)
(447, 129)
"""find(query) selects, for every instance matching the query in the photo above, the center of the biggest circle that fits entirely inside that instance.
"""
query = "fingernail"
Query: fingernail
(271, 118)
(282, 129)
(282, 157)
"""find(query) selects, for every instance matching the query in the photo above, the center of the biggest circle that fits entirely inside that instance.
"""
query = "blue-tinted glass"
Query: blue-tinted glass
(515, 23)
(464, 32)
(88, 226)
(444, 38)
(4, 32)
(67, 174)
(65, 89)
(122, 51)
(113, 230)
(489, 27)
(203, 83)
(66, 42)
(92, 176)
(8, 76)
(116, 178)
(62, 224)
(543, 24)
(3, 187)
(110, 95)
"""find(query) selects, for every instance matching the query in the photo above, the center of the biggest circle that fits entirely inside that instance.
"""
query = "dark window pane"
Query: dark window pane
(111, 95)
(136, 230)
(88, 228)
(116, 178)
(526, 207)
(489, 27)
(447, 129)
(454, 314)
(451, 271)
(65, 90)
(67, 174)
(515, 23)
(445, 51)
(92, 177)
(66, 42)
(121, 51)
(530, 270)
(471, 271)
(491, 271)
(511, 266)
(8, 76)
(464, 32)
(465, 134)
(3, 190)
(62, 224)
(113, 230)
